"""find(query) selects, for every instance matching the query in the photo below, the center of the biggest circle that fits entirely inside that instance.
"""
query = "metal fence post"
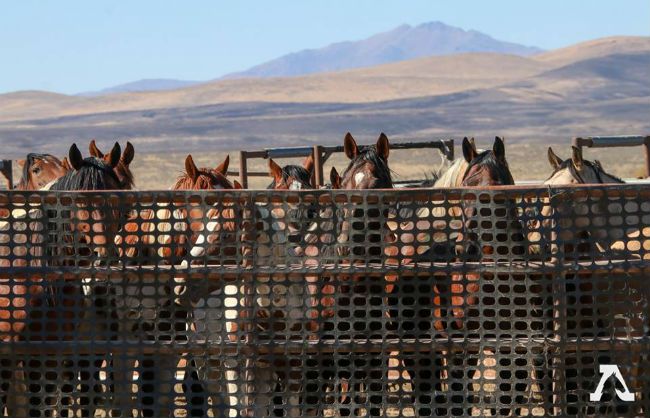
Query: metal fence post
(646, 146)
(318, 166)
(243, 176)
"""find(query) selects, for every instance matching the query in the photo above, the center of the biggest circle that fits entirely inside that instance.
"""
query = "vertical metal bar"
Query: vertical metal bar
(7, 171)
(450, 145)
(646, 146)
(243, 175)
(318, 165)
(576, 142)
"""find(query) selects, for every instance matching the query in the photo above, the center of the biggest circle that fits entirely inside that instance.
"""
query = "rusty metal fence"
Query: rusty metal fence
(422, 303)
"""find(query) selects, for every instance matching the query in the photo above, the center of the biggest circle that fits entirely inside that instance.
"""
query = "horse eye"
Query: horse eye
(36, 170)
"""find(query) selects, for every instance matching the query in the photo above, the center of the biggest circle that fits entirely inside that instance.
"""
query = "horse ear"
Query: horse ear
(472, 142)
(275, 171)
(21, 163)
(238, 185)
(74, 155)
(66, 164)
(553, 159)
(576, 157)
(94, 151)
(335, 179)
(190, 168)
(499, 148)
(383, 146)
(308, 164)
(223, 167)
(350, 146)
(129, 153)
(469, 152)
(115, 155)
(598, 164)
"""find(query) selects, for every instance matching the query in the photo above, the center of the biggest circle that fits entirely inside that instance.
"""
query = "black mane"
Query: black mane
(91, 176)
(382, 172)
(499, 169)
(297, 172)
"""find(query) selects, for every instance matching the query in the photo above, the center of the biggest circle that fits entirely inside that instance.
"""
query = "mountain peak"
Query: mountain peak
(399, 44)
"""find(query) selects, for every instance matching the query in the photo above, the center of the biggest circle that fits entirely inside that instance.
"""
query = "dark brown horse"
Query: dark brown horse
(499, 217)
(485, 168)
(368, 169)
(60, 306)
(292, 177)
(122, 169)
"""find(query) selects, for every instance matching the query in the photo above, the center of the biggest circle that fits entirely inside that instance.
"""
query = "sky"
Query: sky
(78, 46)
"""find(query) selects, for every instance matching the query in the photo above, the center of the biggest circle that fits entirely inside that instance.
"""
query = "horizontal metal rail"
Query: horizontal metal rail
(322, 153)
(617, 141)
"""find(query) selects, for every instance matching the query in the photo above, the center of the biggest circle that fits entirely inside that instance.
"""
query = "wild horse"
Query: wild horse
(55, 310)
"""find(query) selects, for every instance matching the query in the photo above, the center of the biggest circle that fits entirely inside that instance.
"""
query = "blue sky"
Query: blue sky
(75, 46)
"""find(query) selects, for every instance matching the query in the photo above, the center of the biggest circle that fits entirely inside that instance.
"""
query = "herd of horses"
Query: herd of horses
(139, 235)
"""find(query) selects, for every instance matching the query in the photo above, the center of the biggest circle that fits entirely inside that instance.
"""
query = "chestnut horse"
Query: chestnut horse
(88, 233)
(39, 170)
(148, 235)
(122, 169)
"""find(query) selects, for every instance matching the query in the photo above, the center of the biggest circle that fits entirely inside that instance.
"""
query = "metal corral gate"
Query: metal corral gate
(501, 302)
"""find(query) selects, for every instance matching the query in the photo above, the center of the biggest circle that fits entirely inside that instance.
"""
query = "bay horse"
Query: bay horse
(364, 242)
(291, 177)
(468, 224)
(85, 234)
(484, 168)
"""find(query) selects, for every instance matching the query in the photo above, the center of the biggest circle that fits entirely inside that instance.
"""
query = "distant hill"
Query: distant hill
(151, 84)
(402, 43)
(594, 49)
(545, 98)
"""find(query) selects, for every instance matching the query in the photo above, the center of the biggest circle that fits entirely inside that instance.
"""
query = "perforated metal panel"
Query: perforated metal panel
(497, 302)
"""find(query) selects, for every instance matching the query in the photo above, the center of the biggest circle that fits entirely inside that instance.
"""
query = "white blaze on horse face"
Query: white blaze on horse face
(49, 185)
(295, 185)
(358, 178)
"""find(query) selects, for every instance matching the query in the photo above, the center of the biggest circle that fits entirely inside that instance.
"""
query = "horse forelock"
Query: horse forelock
(382, 173)
(206, 180)
(499, 170)
(298, 173)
